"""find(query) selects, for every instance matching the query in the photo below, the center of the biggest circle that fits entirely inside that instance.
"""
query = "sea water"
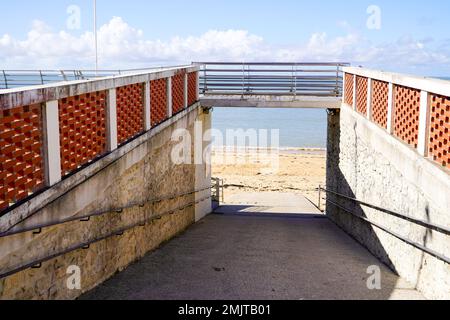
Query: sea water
(298, 128)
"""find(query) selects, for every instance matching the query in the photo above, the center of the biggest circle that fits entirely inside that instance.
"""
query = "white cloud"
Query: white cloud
(123, 46)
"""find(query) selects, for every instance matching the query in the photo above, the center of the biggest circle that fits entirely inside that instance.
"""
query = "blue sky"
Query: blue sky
(414, 35)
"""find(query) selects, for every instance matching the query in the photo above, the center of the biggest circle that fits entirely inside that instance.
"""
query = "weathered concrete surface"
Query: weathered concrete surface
(144, 172)
(262, 101)
(228, 256)
(366, 163)
(269, 203)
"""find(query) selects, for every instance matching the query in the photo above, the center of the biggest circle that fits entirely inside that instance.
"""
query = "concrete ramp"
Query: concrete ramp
(247, 256)
(271, 203)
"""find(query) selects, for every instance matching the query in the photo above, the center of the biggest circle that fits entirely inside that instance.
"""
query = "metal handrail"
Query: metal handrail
(272, 78)
(11, 79)
(100, 213)
(427, 225)
(86, 245)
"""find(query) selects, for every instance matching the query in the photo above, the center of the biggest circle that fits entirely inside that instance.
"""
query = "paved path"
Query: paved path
(250, 253)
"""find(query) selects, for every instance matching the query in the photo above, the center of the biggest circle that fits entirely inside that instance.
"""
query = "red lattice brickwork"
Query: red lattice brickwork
(361, 94)
(380, 102)
(349, 89)
(178, 92)
(158, 94)
(439, 147)
(192, 88)
(82, 126)
(130, 112)
(406, 119)
(21, 161)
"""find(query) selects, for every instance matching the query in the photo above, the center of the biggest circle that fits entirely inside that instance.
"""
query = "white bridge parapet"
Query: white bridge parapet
(268, 101)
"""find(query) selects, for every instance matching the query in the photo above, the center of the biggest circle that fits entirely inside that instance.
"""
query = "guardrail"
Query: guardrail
(51, 131)
(217, 190)
(415, 110)
(10, 79)
(271, 78)
(429, 226)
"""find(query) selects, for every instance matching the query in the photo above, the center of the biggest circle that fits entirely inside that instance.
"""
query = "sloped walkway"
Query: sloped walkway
(254, 250)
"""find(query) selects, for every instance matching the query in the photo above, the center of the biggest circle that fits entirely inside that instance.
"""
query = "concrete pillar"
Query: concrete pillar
(111, 120)
(202, 136)
(343, 86)
(52, 146)
(147, 107)
(186, 93)
(354, 92)
(369, 98)
(334, 175)
(198, 86)
(169, 97)
(391, 106)
(423, 123)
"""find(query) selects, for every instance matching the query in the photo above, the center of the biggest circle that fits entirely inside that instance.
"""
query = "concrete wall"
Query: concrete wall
(366, 163)
(143, 170)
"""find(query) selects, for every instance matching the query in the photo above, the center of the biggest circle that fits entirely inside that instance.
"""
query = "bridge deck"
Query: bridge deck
(257, 252)
(263, 101)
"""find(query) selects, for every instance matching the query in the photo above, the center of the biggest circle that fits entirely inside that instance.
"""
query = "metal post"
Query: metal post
(96, 38)
(337, 82)
(223, 191)
(320, 196)
(6, 80)
(295, 81)
(42, 78)
(205, 88)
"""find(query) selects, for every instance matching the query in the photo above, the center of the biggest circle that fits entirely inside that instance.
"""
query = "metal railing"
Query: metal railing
(217, 190)
(427, 225)
(275, 78)
(10, 79)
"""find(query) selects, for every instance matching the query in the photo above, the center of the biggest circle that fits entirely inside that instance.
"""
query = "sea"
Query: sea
(298, 128)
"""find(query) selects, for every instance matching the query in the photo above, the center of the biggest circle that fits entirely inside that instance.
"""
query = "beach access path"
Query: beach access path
(259, 248)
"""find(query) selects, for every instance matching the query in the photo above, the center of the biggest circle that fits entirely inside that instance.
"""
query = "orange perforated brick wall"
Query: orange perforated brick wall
(158, 89)
(349, 89)
(439, 145)
(130, 112)
(380, 102)
(178, 92)
(82, 126)
(361, 94)
(406, 114)
(21, 159)
(192, 88)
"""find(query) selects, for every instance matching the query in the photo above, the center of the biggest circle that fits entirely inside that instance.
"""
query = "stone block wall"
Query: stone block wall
(145, 172)
(366, 163)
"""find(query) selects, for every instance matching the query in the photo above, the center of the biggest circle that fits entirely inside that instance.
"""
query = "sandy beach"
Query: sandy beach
(298, 171)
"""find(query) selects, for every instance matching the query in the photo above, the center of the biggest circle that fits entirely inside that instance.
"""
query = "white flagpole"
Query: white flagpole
(95, 36)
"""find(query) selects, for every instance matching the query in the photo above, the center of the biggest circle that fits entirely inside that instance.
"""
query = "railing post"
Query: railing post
(147, 105)
(186, 93)
(369, 98)
(52, 147)
(205, 75)
(423, 123)
(243, 79)
(169, 97)
(111, 120)
(6, 79)
(390, 118)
